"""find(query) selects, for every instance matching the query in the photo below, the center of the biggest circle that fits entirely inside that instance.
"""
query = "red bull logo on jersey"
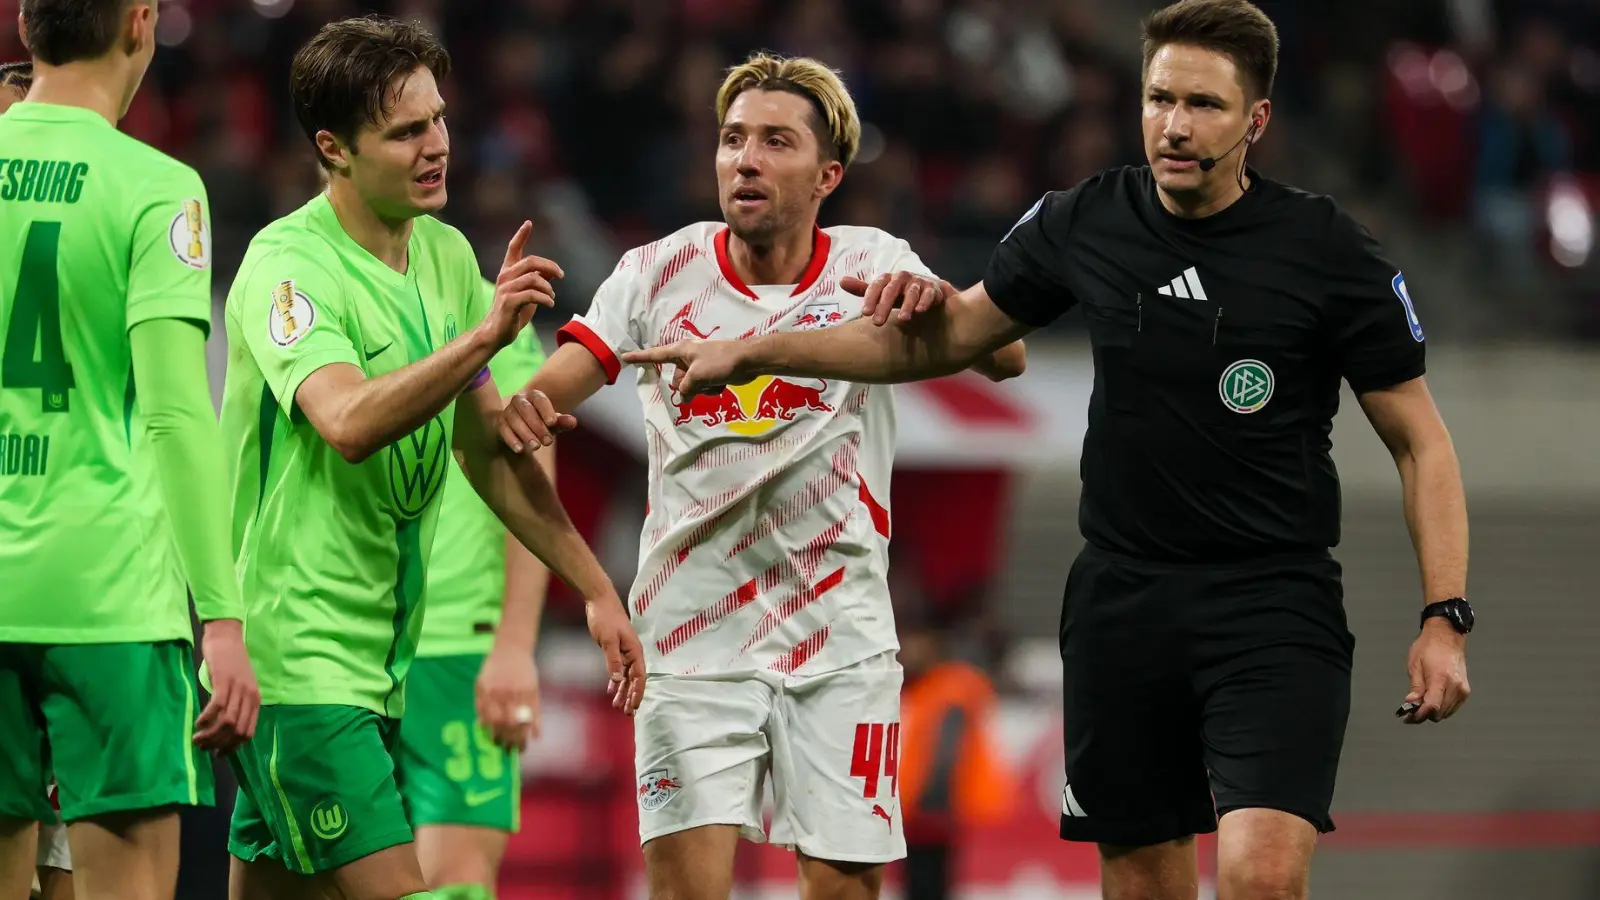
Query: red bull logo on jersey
(756, 407)
(656, 787)
(818, 315)
(710, 409)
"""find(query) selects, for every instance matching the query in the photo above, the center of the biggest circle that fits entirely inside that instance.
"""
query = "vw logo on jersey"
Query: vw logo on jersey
(1246, 386)
(1399, 286)
(417, 467)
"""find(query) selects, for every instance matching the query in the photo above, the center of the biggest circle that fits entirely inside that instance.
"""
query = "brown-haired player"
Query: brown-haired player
(111, 502)
(1205, 652)
(358, 338)
(761, 596)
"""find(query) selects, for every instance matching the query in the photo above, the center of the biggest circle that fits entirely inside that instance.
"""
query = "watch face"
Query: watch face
(1462, 613)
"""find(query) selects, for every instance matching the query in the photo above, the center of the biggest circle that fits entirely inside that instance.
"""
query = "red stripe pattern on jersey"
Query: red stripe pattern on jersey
(802, 565)
(802, 651)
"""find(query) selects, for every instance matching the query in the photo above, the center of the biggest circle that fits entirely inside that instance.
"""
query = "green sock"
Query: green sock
(463, 892)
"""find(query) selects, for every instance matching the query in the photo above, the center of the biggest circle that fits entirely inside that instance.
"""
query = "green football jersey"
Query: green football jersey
(98, 232)
(467, 574)
(331, 555)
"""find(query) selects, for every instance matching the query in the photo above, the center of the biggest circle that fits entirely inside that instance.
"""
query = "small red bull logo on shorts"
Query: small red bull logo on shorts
(656, 787)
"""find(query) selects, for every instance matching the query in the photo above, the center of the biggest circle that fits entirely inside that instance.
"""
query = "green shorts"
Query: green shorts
(451, 772)
(114, 723)
(316, 788)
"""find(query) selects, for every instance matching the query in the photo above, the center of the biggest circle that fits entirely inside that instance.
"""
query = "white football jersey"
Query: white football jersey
(766, 541)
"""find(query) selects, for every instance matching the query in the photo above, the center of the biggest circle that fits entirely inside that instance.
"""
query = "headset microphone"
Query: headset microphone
(1210, 162)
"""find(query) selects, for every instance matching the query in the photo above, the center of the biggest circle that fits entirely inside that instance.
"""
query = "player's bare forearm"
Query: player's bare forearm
(943, 341)
(358, 416)
(1007, 362)
(519, 492)
(1430, 477)
(527, 583)
(570, 376)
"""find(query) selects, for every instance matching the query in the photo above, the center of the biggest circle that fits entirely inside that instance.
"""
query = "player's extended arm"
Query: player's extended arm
(1007, 362)
(527, 580)
(570, 376)
(524, 498)
(518, 491)
(943, 341)
(169, 373)
(358, 415)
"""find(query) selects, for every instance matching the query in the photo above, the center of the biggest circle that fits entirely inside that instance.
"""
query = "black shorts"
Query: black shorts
(1193, 690)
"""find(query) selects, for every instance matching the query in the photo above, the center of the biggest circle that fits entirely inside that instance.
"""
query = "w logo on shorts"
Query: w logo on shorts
(329, 820)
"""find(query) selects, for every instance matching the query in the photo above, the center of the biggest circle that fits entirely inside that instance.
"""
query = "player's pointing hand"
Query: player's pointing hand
(702, 366)
(914, 294)
(523, 285)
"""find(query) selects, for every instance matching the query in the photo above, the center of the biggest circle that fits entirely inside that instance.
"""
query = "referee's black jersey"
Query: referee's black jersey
(1218, 346)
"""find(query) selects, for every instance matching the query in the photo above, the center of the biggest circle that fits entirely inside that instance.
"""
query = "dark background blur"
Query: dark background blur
(1464, 133)
(1468, 123)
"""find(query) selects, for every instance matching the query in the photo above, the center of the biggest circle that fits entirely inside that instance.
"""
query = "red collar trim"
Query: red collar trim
(820, 243)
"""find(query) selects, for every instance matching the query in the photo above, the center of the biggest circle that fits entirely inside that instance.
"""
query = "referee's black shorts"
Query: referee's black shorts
(1193, 690)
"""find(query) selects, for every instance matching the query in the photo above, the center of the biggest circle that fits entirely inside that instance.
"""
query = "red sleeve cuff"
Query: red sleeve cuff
(583, 334)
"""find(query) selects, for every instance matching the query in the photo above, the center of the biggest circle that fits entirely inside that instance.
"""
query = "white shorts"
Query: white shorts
(53, 850)
(703, 746)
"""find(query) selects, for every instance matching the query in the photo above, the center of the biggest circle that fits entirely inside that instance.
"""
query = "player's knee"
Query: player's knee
(1262, 877)
(822, 879)
(1164, 871)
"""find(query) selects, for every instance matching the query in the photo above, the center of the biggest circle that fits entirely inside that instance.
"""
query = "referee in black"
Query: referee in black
(1203, 635)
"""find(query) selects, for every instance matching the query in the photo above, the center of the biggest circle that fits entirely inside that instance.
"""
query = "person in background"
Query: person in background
(952, 777)
(15, 79)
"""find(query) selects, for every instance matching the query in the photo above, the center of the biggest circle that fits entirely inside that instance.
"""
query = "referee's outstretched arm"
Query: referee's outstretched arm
(949, 337)
(1409, 424)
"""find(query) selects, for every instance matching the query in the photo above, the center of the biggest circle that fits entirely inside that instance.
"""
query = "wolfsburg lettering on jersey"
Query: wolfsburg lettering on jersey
(24, 454)
(42, 181)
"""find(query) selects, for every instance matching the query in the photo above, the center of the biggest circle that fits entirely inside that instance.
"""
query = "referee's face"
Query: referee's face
(1194, 107)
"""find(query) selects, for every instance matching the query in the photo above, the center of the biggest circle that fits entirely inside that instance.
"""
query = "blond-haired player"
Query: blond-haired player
(761, 596)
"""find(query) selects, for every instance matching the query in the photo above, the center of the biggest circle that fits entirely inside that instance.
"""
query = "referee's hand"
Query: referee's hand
(913, 294)
(1438, 669)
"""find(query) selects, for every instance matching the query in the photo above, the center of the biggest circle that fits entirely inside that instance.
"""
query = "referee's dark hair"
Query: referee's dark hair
(17, 75)
(1235, 28)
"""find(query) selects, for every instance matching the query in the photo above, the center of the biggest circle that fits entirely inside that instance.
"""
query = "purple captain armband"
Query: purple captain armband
(479, 380)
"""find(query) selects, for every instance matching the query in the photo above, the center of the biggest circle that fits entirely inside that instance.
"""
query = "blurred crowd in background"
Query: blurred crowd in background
(1464, 133)
(1468, 125)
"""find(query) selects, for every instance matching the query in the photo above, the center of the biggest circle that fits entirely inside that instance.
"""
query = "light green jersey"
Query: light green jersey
(331, 556)
(467, 574)
(98, 233)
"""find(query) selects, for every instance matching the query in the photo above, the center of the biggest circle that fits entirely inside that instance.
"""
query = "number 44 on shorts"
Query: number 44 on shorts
(876, 755)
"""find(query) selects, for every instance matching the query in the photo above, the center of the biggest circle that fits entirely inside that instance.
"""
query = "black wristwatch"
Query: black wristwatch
(1457, 611)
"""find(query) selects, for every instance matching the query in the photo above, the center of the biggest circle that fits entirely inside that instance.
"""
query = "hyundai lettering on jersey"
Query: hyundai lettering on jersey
(766, 542)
